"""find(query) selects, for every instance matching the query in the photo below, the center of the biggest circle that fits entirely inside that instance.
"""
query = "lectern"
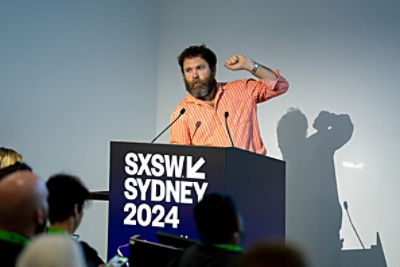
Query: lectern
(154, 187)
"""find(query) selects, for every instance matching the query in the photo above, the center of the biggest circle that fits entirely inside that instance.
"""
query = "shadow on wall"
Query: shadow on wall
(313, 210)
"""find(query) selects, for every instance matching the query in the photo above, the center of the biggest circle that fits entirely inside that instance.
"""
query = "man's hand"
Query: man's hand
(239, 62)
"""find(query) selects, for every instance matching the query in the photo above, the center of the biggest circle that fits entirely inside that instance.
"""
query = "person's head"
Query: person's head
(67, 196)
(18, 166)
(218, 220)
(8, 157)
(23, 203)
(198, 66)
(52, 251)
(269, 254)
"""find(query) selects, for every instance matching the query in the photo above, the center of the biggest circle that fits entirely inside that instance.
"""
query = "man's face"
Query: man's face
(199, 78)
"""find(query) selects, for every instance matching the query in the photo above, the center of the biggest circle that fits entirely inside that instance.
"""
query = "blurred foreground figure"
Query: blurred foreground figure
(23, 212)
(272, 255)
(67, 197)
(219, 225)
(51, 251)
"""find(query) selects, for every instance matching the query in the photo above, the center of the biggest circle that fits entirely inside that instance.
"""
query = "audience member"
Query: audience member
(220, 229)
(19, 166)
(272, 255)
(23, 212)
(51, 251)
(67, 196)
(11, 161)
(8, 157)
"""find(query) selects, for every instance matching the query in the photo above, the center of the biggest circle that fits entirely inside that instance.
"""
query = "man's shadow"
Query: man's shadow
(313, 210)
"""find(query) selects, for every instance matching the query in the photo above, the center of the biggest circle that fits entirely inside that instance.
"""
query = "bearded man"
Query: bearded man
(210, 104)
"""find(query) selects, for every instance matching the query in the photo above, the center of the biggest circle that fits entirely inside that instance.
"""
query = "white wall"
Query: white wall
(339, 56)
(75, 75)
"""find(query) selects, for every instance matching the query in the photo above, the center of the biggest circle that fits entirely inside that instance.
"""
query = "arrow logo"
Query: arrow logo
(192, 171)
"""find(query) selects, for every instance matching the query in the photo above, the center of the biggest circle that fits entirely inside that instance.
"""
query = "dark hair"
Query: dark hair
(216, 218)
(19, 166)
(64, 192)
(195, 51)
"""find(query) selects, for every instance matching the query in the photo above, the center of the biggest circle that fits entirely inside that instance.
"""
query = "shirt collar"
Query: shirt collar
(54, 230)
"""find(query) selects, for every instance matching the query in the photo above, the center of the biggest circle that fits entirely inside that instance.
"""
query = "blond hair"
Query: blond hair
(8, 157)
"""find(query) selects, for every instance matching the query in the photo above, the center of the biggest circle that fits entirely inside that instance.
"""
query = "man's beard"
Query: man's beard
(202, 89)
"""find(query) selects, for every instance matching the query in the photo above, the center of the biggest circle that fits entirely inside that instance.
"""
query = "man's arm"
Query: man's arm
(270, 85)
(240, 62)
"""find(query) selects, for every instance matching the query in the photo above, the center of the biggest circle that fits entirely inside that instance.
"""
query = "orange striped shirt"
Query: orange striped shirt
(203, 125)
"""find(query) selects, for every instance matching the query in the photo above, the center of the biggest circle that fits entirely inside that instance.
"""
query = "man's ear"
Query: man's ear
(75, 211)
(239, 224)
(214, 70)
(40, 217)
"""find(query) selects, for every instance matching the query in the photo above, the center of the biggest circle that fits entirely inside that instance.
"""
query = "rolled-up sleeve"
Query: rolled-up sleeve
(265, 89)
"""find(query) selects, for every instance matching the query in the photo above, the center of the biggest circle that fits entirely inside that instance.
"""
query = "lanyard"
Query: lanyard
(229, 247)
(52, 230)
(13, 237)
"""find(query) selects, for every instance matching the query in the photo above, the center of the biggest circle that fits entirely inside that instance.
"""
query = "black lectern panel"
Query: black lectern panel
(153, 187)
(257, 183)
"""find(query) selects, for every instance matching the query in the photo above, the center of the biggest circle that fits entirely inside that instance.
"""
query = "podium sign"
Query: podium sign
(154, 187)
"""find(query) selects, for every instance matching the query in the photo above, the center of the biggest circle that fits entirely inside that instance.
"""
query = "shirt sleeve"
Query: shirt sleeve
(265, 89)
(179, 131)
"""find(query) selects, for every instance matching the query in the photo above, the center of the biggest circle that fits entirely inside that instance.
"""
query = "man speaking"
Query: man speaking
(222, 114)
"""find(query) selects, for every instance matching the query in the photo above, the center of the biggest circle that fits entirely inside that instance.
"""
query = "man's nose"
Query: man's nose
(195, 74)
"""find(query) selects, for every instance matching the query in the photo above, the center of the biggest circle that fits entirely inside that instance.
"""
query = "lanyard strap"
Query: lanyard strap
(229, 247)
(53, 230)
(13, 237)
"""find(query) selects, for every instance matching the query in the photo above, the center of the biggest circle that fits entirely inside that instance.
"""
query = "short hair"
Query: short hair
(64, 192)
(216, 218)
(19, 166)
(195, 51)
